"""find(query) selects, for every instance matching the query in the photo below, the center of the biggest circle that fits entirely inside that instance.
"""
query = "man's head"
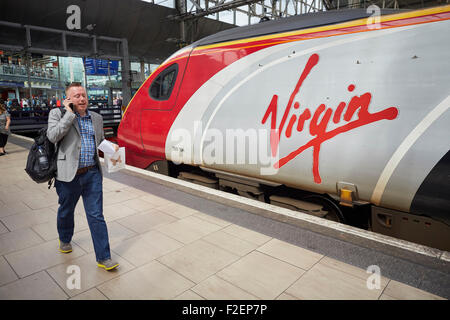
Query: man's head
(76, 93)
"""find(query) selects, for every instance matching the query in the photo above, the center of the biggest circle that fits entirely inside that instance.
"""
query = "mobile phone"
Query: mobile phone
(71, 106)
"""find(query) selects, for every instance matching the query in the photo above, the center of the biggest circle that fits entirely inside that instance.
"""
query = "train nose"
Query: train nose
(129, 127)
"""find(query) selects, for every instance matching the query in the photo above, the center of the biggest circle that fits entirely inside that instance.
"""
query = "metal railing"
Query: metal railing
(36, 119)
(17, 70)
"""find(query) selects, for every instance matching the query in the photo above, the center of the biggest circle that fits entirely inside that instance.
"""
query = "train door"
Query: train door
(159, 109)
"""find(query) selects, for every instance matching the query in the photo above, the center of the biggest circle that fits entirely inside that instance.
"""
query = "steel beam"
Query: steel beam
(211, 10)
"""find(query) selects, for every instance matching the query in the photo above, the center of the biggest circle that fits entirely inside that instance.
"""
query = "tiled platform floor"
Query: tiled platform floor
(166, 251)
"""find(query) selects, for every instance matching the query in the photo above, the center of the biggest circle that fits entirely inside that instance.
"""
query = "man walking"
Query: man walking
(79, 132)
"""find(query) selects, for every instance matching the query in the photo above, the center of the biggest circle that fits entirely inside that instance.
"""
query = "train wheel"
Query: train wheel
(334, 212)
(250, 195)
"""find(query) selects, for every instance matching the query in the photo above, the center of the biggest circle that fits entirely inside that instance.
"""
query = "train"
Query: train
(340, 114)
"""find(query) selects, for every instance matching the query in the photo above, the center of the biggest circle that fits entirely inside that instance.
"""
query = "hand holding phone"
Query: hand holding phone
(68, 105)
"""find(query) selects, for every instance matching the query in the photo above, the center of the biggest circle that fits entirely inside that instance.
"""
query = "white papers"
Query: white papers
(116, 161)
(107, 147)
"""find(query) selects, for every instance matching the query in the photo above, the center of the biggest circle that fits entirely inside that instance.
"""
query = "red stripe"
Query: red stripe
(329, 33)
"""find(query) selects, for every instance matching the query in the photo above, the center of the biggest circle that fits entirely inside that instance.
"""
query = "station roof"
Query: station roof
(144, 25)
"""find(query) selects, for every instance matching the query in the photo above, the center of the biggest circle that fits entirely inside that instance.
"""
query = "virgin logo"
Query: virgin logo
(318, 129)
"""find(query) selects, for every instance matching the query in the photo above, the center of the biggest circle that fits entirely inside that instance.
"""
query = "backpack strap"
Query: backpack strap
(52, 180)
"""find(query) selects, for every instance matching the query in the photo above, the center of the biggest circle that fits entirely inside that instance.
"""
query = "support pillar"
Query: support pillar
(30, 90)
(142, 71)
(59, 80)
(85, 77)
(110, 96)
(126, 79)
(180, 5)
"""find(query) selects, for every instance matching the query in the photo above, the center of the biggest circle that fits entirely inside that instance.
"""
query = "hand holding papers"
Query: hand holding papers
(114, 160)
(107, 147)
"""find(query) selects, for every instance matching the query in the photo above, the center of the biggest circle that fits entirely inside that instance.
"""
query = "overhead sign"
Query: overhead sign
(89, 66)
(11, 84)
(98, 67)
(38, 85)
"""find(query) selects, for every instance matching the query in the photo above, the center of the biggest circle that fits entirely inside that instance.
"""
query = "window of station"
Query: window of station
(162, 86)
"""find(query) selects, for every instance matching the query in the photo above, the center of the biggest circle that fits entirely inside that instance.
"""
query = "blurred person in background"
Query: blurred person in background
(5, 121)
(15, 106)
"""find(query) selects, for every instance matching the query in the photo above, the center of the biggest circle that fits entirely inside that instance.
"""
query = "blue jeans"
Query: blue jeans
(89, 186)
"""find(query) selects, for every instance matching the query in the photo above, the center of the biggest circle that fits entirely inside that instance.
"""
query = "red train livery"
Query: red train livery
(326, 113)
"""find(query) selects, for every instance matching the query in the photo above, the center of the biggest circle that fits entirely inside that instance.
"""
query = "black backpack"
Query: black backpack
(41, 161)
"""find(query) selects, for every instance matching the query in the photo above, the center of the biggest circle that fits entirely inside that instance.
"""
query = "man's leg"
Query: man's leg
(92, 193)
(68, 193)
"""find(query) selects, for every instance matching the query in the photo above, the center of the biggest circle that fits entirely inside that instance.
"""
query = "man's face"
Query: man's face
(78, 97)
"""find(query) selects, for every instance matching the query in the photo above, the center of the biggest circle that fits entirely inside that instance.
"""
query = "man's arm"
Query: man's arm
(102, 137)
(59, 126)
(102, 131)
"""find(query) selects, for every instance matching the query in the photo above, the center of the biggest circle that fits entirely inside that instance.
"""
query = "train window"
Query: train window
(162, 86)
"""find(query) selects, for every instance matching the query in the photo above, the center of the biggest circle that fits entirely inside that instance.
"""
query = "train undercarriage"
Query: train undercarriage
(418, 229)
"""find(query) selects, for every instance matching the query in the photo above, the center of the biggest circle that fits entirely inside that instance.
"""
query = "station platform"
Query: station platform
(172, 243)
